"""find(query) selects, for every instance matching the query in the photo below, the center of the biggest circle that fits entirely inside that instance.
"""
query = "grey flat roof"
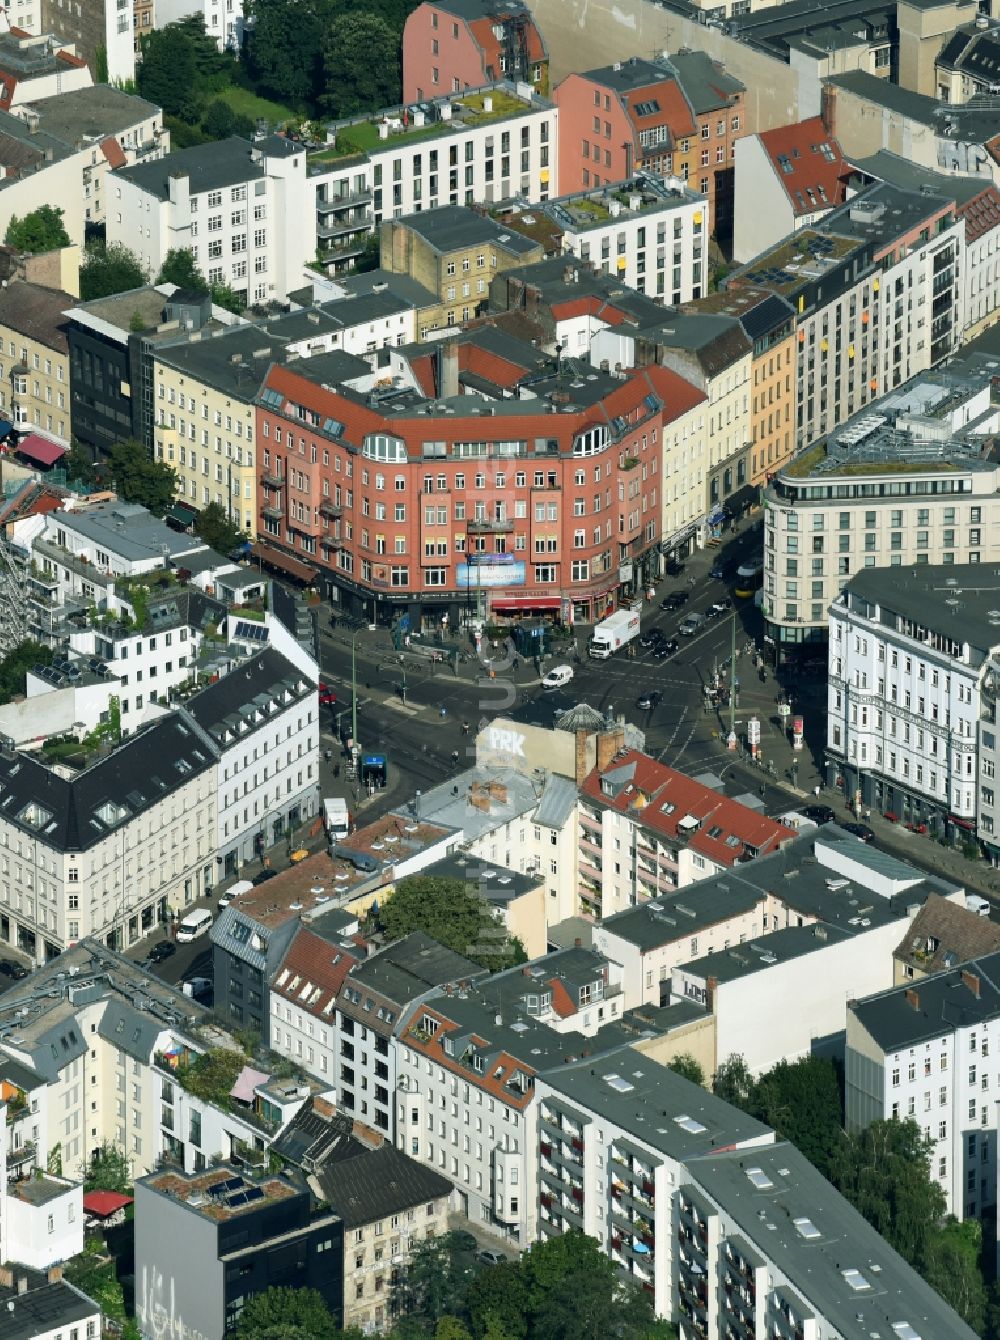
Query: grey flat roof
(962, 602)
(93, 112)
(839, 1241)
(647, 1099)
(763, 952)
(129, 530)
(453, 226)
(921, 1010)
(209, 167)
(43, 1310)
(796, 875)
(496, 883)
(400, 286)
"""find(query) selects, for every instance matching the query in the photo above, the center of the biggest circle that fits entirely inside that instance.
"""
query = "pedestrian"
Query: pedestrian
(442, 712)
(465, 728)
(517, 662)
(816, 790)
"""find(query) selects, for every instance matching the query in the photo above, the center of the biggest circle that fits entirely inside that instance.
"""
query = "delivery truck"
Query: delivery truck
(336, 818)
(613, 633)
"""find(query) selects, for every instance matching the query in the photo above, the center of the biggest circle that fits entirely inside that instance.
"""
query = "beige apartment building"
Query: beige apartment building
(34, 359)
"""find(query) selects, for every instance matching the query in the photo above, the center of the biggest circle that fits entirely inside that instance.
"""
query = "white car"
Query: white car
(557, 677)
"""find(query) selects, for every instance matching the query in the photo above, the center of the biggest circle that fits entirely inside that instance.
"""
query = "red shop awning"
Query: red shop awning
(276, 558)
(40, 449)
(526, 603)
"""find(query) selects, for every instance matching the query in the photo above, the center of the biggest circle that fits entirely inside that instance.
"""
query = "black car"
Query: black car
(719, 571)
(649, 637)
(674, 600)
(819, 814)
(164, 949)
(861, 831)
(647, 701)
(263, 877)
(666, 648)
(10, 968)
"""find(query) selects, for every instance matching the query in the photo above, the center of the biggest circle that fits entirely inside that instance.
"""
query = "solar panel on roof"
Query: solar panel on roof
(250, 632)
(254, 1193)
(233, 1202)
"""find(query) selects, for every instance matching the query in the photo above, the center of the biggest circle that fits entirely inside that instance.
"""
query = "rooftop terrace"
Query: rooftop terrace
(395, 126)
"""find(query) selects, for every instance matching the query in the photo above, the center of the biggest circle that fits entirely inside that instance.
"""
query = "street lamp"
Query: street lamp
(354, 696)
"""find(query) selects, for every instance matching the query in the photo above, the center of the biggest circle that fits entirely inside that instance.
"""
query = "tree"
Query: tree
(434, 1283)
(15, 666)
(884, 1171)
(284, 55)
(686, 1065)
(214, 527)
(224, 296)
(110, 269)
(733, 1082)
(80, 467)
(575, 1293)
(801, 1100)
(108, 1170)
(951, 1266)
(498, 1298)
(361, 64)
(41, 230)
(281, 1311)
(453, 912)
(140, 479)
(181, 65)
(450, 1328)
(180, 267)
(371, 255)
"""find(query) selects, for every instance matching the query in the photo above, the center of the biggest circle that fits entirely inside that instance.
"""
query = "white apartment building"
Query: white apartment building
(94, 1045)
(263, 721)
(115, 129)
(650, 233)
(467, 1062)
(909, 649)
(110, 850)
(303, 1023)
(41, 1220)
(848, 505)
(245, 211)
(878, 292)
(927, 1052)
(481, 146)
(606, 1170)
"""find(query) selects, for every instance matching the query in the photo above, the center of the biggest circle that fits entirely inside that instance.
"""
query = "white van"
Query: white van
(194, 924)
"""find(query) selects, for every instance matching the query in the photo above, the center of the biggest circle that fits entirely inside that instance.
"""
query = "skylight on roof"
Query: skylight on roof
(856, 1280)
(904, 1330)
(760, 1179)
(807, 1229)
(690, 1125)
(618, 1084)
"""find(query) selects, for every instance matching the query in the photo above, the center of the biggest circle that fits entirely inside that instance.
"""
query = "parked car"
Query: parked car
(861, 831)
(11, 968)
(163, 949)
(327, 697)
(692, 623)
(490, 1258)
(721, 606)
(674, 600)
(557, 677)
(649, 637)
(819, 814)
(719, 571)
(647, 701)
(264, 876)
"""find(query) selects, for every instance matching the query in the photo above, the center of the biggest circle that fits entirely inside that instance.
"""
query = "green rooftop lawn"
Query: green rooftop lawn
(808, 463)
(246, 103)
(363, 137)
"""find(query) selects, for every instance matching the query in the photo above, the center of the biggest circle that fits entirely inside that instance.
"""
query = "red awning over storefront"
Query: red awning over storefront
(283, 562)
(526, 603)
(40, 449)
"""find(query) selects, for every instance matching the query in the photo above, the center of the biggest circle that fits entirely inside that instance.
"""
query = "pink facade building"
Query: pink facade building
(451, 45)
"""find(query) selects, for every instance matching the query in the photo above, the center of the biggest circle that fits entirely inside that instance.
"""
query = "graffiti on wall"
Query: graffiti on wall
(156, 1309)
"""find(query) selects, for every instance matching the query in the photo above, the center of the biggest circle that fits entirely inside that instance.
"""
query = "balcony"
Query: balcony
(271, 480)
(495, 525)
(24, 1153)
(330, 508)
(273, 510)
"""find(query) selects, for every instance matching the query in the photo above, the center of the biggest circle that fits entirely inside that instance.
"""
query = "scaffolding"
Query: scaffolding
(13, 597)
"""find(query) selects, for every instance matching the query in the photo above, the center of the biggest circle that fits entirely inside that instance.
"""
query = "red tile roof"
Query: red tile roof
(807, 159)
(499, 371)
(312, 972)
(671, 109)
(659, 798)
(502, 1065)
(422, 368)
(981, 214)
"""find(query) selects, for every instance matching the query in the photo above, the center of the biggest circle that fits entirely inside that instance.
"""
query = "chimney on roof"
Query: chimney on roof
(913, 998)
(609, 743)
(711, 986)
(22, 1284)
(55, 1274)
(971, 980)
(578, 943)
(581, 756)
(6, 1277)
